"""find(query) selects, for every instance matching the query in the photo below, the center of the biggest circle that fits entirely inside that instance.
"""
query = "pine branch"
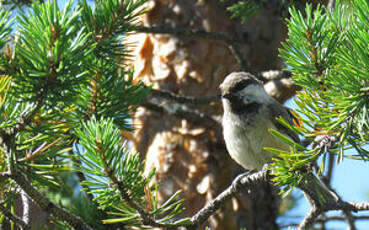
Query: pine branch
(147, 219)
(33, 193)
(16, 219)
(20, 2)
(124, 192)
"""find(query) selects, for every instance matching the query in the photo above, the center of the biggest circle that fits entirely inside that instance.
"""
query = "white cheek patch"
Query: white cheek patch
(254, 93)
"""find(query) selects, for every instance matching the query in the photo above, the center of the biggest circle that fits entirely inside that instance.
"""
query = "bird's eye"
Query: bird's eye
(242, 84)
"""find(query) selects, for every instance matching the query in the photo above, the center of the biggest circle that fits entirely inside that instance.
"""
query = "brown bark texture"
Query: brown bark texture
(189, 156)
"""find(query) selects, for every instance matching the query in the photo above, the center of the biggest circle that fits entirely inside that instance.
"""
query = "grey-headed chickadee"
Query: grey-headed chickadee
(248, 114)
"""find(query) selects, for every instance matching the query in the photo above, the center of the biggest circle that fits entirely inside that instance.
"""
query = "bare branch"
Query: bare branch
(309, 218)
(195, 117)
(328, 178)
(188, 32)
(349, 206)
(236, 52)
(183, 99)
(349, 219)
(241, 182)
(326, 219)
(232, 42)
(16, 219)
(340, 218)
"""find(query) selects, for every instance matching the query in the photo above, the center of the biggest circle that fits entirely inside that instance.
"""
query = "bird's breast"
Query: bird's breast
(245, 140)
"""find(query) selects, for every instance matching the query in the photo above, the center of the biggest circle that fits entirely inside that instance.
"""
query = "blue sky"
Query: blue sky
(350, 182)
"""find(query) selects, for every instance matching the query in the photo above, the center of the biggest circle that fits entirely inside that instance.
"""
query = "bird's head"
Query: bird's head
(242, 88)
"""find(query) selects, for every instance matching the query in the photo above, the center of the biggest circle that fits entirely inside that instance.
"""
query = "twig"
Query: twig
(195, 117)
(236, 52)
(326, 219)
(237, 185)
(16, 219)
(323, 224)
(309, 218)
(340, 218)
(183, 99)
(233, 43)
(349, 219)
(188, 32)
(348, 215)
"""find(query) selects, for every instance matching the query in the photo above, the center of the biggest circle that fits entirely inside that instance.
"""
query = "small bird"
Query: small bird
(249, 112)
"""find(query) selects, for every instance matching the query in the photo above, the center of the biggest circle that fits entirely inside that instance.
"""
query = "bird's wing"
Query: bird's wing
(278, 110)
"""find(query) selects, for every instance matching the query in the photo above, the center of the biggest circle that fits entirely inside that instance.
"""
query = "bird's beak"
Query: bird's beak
(228, 96)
